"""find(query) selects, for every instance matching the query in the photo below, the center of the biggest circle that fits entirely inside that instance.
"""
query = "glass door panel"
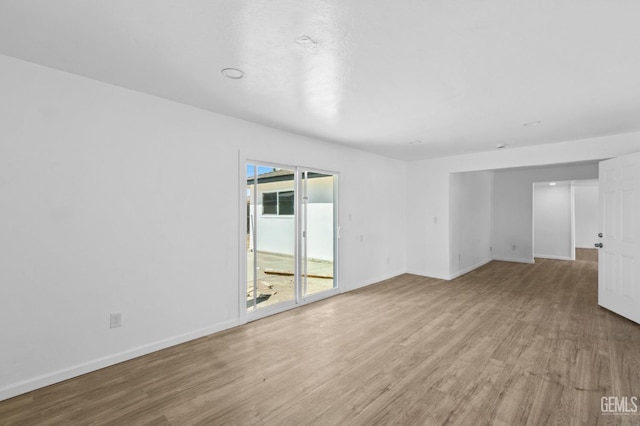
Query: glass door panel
(317, 220)
(271, 236)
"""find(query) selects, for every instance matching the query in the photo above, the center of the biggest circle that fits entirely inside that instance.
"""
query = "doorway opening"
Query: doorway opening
(566, 219)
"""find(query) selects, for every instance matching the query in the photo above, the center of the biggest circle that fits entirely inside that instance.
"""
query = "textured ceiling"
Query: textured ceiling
(411, 79)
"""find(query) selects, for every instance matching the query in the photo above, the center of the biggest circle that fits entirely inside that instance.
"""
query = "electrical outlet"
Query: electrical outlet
(115, 320)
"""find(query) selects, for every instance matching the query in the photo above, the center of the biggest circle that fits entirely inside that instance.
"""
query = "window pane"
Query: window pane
(286, 202)
(270, 203)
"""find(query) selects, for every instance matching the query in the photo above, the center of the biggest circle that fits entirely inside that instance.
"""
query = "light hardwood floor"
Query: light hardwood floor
(506, 344)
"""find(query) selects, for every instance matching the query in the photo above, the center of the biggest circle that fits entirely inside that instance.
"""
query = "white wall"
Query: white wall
(586, 214)
(470, 220)
(427, 218)
(552, 221)
(113, 200)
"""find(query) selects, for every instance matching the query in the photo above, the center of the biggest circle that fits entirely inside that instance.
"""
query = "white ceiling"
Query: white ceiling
(458, 76)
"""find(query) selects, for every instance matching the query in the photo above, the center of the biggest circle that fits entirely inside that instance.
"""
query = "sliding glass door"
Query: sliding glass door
(291, 235)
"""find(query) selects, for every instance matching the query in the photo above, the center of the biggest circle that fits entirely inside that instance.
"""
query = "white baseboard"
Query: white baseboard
(591, 247)
(429, 275)
(547, 256)
(516, 260)
(38, 382)
(469, 269)
(29, 385)
(372, 281)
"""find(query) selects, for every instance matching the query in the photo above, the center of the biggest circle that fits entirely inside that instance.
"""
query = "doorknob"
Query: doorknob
(598, 245)
(600, 235)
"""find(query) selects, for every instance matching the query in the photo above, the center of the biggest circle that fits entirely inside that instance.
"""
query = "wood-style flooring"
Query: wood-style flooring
(506, 344)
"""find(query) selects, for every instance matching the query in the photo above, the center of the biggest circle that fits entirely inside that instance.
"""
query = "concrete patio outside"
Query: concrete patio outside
(278, 286)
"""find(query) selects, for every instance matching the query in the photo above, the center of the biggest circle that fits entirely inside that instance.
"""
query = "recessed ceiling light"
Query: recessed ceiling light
(232, 73)
(501, 145)
(532, 123)
(552, 184)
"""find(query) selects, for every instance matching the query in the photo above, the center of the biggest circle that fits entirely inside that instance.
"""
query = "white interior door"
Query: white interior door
(619, 256)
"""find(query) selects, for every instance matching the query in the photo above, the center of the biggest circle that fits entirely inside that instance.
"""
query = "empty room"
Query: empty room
(261, 212)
